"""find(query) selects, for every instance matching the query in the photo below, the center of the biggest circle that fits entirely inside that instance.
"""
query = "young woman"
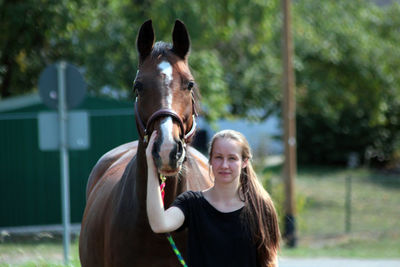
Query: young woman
(233, 223)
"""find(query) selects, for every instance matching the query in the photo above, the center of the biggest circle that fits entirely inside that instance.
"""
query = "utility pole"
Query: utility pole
(289, 118)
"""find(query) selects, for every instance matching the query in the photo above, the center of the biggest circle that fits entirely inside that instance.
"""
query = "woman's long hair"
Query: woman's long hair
(259, 211)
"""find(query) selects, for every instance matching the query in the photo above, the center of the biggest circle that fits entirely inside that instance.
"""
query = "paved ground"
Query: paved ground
(322, 262)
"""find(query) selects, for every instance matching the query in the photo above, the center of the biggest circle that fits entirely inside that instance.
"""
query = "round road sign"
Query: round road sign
(75, 86)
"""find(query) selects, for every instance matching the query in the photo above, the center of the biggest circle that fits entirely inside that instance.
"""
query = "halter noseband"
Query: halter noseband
(166, 112)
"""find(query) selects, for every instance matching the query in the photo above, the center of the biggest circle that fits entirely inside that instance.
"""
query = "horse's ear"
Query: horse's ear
(145, 40)
(180, 39)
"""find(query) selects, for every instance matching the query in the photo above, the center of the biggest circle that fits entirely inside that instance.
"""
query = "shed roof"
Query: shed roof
(33, 103)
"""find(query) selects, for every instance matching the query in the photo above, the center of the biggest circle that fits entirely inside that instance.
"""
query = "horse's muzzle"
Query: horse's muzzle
(169, 157)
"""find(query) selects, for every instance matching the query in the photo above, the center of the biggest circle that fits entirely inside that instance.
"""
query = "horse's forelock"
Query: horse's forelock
(161, 49)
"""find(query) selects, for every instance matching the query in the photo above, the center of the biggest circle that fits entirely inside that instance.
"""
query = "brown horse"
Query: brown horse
(115, 229)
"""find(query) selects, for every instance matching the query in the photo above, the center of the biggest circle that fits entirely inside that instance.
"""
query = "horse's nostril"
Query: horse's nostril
(179, 150)
(156, 154)
(176, 154)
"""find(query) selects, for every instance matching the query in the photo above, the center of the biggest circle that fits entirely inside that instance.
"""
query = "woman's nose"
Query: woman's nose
(224, 163)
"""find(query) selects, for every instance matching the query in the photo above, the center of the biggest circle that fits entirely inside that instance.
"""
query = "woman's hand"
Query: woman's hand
(149, 156)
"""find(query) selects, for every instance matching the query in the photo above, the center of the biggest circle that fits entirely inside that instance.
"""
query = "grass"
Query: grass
(375, 214)
(375, 221)
(36, 254)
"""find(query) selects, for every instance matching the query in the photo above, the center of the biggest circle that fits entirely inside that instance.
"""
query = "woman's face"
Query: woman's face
(226, 160)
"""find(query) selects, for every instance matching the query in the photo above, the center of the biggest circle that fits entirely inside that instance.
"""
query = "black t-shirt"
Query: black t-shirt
(215, 238)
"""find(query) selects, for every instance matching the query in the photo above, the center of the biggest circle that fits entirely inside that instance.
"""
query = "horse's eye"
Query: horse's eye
(137, 87)
(190, 85)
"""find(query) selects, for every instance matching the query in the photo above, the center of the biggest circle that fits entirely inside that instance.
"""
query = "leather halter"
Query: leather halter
(166, 112)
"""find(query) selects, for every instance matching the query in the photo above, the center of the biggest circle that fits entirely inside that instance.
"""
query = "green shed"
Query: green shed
(30, 192)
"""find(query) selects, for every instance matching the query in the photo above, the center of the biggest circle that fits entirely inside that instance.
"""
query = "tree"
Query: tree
(31, 35)
(348, 90)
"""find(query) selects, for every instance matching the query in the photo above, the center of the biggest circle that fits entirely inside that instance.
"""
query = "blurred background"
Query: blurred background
(346, 63)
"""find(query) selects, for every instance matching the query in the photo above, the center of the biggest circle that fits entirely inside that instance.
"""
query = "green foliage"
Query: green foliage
(206, 67)
(348, 88)
(229, 53)
(31, 35)
(346, 61)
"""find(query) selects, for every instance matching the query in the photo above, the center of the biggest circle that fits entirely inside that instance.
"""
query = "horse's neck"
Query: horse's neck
(173, 187)
(138, 176)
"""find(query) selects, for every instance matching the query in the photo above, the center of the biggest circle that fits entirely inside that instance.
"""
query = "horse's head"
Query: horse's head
(166, 95)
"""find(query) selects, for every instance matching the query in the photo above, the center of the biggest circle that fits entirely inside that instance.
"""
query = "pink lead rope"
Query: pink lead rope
(162, 186)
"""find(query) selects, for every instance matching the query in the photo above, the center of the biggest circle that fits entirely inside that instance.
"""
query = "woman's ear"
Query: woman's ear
(244, 163)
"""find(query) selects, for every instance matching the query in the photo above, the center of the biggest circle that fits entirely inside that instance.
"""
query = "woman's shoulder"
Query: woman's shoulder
(188, 195)
(188, 200)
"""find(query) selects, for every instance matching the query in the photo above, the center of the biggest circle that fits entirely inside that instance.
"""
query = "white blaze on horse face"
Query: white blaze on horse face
(166, 129)
(168, 142)
(166, 69)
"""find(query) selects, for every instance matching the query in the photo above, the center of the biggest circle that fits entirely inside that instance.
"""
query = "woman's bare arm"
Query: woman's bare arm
(160, 220)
